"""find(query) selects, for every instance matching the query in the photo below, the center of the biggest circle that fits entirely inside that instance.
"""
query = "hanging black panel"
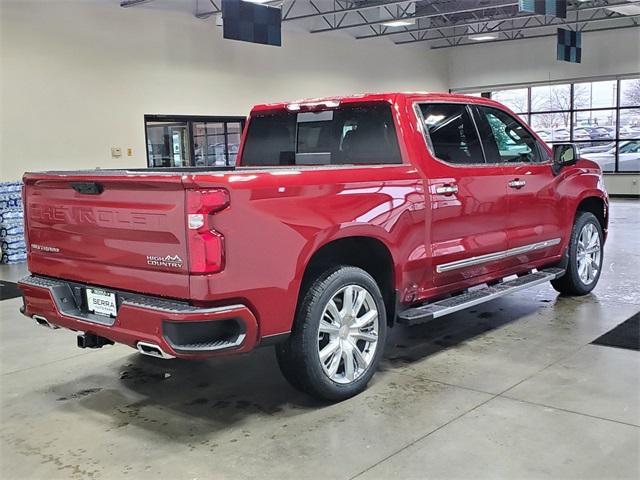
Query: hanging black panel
(569, 46)
(551, 8)
(251, 22)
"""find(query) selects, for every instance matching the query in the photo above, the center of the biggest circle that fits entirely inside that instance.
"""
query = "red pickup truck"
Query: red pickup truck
(343, 217)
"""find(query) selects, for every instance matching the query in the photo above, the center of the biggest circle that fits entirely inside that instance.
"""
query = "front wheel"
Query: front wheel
(338, 335)
(585, 257)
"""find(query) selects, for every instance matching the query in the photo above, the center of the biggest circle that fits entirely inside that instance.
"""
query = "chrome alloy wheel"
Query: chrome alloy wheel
(348, 334)
(588, 254)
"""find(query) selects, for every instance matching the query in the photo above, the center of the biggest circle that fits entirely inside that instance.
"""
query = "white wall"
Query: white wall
(613, 52)
(623, 184)
(77, 77)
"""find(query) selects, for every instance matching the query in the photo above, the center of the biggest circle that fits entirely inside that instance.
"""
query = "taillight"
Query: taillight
(206, 246)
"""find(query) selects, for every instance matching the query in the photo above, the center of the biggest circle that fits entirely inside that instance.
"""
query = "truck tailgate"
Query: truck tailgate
(124, 231)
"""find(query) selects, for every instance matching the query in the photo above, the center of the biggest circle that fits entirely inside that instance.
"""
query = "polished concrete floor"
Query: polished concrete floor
(512, 389)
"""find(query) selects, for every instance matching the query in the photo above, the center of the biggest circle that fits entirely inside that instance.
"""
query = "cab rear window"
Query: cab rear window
(351, 134)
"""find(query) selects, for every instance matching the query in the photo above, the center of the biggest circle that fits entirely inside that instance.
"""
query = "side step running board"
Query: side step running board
(430, 311)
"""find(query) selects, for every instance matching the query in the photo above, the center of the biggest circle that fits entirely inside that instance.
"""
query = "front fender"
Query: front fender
(579, 183)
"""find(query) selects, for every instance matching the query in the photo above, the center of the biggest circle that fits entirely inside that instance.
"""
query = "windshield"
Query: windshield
(630, 147)
(350, 134)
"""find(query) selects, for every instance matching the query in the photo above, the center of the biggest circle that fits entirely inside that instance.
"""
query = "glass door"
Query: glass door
(168, 144)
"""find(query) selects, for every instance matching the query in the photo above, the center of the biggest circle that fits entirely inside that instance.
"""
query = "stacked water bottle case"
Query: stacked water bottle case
(14, 249)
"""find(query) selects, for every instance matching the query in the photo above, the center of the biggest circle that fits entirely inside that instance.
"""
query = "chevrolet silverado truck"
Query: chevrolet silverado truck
(342, 218)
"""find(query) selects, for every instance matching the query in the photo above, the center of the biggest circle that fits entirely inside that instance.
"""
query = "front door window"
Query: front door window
(506, 139)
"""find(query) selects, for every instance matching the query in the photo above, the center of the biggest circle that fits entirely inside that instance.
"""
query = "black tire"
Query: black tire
(571, 283)
(299, 358)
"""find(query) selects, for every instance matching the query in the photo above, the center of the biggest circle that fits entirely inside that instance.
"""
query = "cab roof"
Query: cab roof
(390, 97)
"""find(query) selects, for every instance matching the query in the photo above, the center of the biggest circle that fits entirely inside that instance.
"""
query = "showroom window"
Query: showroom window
(188, 141)
(602, 117)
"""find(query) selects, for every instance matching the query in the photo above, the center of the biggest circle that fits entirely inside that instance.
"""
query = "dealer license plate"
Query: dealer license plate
(101, 302)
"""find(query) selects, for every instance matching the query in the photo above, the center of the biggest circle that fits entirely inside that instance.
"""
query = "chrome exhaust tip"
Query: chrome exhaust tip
(43, 322)
(153, 350)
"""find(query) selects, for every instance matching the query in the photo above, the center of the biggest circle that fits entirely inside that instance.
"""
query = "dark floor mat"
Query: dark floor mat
(9, 290)
(625, 335)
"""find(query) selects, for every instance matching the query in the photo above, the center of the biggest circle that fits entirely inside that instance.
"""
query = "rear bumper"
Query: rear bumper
(178, 328)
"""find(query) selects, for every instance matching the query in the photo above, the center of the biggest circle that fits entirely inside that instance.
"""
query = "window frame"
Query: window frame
(427, 138)
(483, 121)
(618, 109)
(190, 120)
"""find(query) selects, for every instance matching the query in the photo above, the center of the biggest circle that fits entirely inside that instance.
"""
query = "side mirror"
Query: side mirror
(564, 154)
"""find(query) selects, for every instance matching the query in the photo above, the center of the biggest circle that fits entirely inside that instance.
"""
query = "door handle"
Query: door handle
(446, 189)
(517, 183)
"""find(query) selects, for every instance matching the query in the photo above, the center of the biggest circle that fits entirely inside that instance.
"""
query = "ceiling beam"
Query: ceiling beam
(133, 3)
(477, 21)
(340, 11)
(552, 23)
(484, 20)
(443, 13)
(620, 27)
(215, 9)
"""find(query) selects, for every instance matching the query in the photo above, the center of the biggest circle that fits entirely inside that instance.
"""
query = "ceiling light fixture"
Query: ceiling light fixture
(484, 37)
(399, 23)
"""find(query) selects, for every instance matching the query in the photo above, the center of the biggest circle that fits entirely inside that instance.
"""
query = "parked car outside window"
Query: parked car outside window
(628, 158)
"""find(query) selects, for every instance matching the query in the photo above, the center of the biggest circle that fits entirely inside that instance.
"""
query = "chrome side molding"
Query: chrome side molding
(491, 257)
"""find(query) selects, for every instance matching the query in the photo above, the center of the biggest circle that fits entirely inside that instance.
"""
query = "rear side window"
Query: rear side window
(351, 134)
(452, 133)
(270, 140)
(506, 139)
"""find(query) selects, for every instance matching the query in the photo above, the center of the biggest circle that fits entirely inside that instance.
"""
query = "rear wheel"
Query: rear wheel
(338, 335)
(585, 257)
